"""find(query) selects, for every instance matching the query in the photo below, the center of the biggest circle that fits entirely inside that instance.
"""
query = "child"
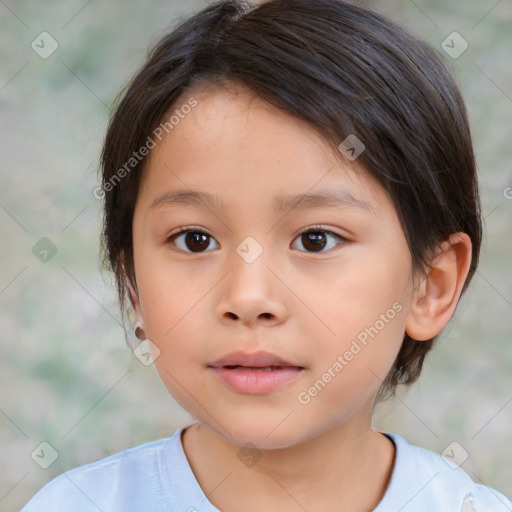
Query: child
(321, 157)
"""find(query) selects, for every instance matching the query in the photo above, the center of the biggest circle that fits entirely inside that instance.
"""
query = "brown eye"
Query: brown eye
(193, 241)
(315, 240)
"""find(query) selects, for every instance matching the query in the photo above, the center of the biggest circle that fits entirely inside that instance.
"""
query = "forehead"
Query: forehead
(234, 116)
(234, 143)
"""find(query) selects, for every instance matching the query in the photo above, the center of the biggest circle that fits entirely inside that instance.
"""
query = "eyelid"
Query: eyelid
(187, 228)
(319, 227)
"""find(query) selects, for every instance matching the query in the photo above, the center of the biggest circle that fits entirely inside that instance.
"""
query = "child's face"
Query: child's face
(308, 301)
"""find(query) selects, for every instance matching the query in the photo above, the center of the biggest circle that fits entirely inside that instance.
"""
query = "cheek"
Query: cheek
(351, 367)
(168, 296)
(365, 310)
(170, 310)
(360, 294)
(172, 305)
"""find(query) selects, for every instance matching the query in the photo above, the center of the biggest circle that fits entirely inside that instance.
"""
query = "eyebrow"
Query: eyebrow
(333, 199)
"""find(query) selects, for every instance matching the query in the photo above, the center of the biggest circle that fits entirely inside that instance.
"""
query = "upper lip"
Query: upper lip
(259, 359)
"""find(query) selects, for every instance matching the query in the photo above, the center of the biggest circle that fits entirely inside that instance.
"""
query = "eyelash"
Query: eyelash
(316, 229)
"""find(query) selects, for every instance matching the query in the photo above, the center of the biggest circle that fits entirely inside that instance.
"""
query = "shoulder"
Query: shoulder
(424, 480)
(119, 482)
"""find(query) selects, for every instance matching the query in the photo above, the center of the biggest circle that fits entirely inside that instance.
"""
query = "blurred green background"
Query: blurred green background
(67, 376)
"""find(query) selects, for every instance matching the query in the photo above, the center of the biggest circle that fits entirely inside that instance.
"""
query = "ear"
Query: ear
(436, 298)
(131, 289)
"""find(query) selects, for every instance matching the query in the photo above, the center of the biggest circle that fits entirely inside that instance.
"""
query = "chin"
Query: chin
(262, 434)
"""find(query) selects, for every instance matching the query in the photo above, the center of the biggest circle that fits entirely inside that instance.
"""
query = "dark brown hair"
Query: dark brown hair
(342, 69)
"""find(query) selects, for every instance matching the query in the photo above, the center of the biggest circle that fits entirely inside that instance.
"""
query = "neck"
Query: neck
(347, 467)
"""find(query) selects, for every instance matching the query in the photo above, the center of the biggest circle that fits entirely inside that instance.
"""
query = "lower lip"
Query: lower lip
(257, 382)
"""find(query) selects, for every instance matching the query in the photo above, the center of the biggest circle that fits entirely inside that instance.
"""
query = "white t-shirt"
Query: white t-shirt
(156, 477)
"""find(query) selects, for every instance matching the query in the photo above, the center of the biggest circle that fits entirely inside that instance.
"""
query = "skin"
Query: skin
(304, 306)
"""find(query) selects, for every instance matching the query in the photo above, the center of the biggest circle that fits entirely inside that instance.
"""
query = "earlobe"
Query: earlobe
(139, 330)
(436, 297)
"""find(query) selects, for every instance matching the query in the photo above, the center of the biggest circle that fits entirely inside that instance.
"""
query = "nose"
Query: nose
(252, 293)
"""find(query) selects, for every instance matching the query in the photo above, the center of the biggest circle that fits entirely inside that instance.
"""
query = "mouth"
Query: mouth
(255, 374)
(255, 360)
(256, 368)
